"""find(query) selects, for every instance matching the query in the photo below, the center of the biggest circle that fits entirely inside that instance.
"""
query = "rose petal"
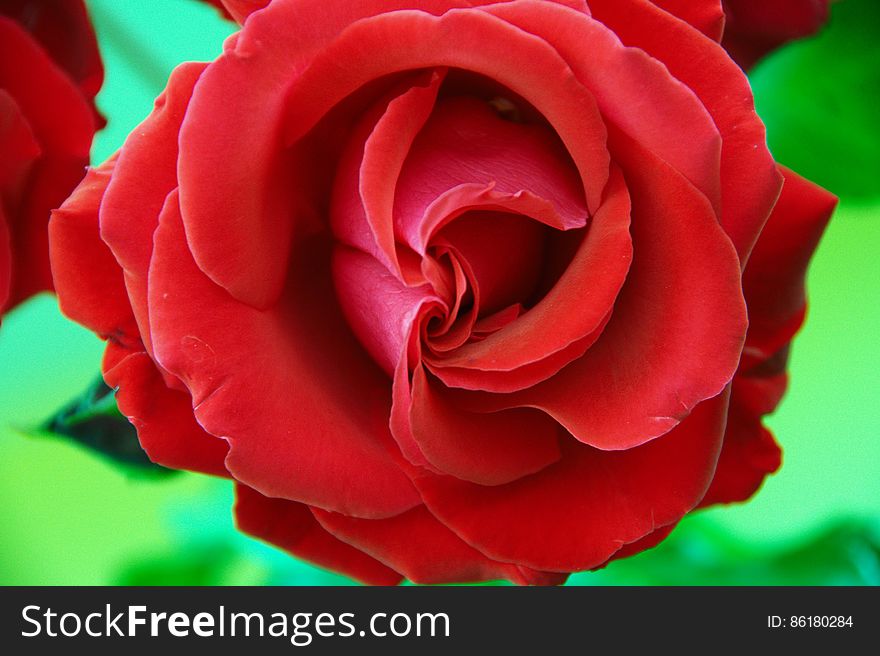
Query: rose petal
(163, 417)
(366, 176)
(749, 452)
(50, 181)
(632, 90)
(241, 9)
(92, 295)
(650, 541)
(706, 16)
(466, 142)
(20, 150)
(379, 308)
(61, 123)
(325, 439)
(510, 271)
(56, 110)
(565, 321)
(489, 449)
(130, 210)
(292, 527)
(773, 282)
(520, 61)
(749, 181)
(678, 326)
(521, 377)
(64, 29)
(241, 221)
(19, 146)
(424, 551)
(576, 514)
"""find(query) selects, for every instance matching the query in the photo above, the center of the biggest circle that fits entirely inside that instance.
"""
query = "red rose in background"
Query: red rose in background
(238, 9)
(755, 27)
(50, 71)
(219, 5)
(452, 292)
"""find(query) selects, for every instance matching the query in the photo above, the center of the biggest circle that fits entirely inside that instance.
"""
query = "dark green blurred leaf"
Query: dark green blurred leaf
(819, 98)
(94, 421)
(207, 564)
(697, 553)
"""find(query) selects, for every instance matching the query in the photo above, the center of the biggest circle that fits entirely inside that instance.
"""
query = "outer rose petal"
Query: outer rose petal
(130, 210)
(673, 124)
(749, 181)
(251, 169)
(292, 527)
(241, 9)
(325, 439)
(774, 289)
(424, 551)
(773, 281)
(51, 180)
(166, 428)
(706, 15)
(650, 541)
(749, 452)
(576, 514)
(92, 295)
(95, 296)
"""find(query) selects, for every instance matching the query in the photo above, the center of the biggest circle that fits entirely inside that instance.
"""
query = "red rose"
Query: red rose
(238, 9)
(755, 27)
(220, 7)
(50, 71)
(451, 292)
(773, 285)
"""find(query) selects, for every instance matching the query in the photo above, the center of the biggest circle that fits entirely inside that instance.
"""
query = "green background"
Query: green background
(68, 516)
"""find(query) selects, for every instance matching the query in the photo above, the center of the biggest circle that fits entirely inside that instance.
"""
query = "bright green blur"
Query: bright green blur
(69, 517)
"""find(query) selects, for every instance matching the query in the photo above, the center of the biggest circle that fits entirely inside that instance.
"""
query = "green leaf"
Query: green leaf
(94, 421)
